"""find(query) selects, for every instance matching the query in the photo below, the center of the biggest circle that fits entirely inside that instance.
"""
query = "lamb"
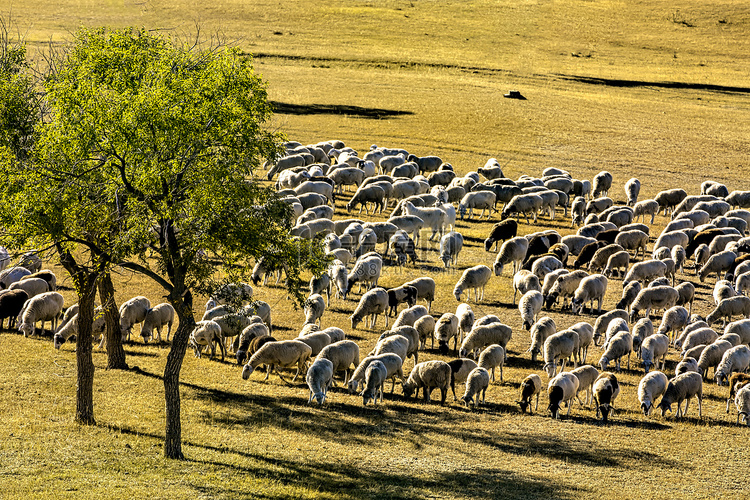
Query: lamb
(70, 328)
(445, 329)
(483, 335)
(11, 304)
(653, 349)
(343, 354)
(206, 333)
(523, 204)
(632, 189)
(372, 303)
(529, 306)
(476, 383)
(717, 263)
(644, 208)
(700, 256)
(319, 377)
(425, 289)
(44, 307)
(682, 387)
(540, 331)
(156, 318)
(428, 375)
(652, 386)
(316, 340)
(132, 312)
(645, 271)
(392, 362)
(602, 182)
(530, 386)
(562, 389)
(629, 293)
(558, 348)
(732, 306)
(675, 318)
(450, 246)
(366, 270)
(620, 345)
(617, 262)
(606, 389)
(735, 359)
(590, 289)
(712, 355)
(315, 306)
(502, 231)
(736, 382)
(473, 278)
(283, 354)
(513, 251)
(586, 375)
(425, 326)
(657, 297)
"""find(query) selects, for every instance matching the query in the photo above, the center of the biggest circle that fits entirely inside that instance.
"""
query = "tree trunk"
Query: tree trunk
(173, 432)
(84, 339)
(115, 351)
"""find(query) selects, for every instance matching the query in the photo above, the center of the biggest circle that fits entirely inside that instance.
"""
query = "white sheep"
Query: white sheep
(372, 303)
(315, 306)
(545, 265)
(686, 295)
(652, 386)
(539, 332)
(742, 403)
(645, 271)
(132, 312)
(425, 327)
(735, 359)
(633, 239)
(476, 383)
(156, 318)
(493, 356)
(732, 306)
(446, 328)
(70, 328)
(712, 355)
(282, 354)
(615, 326)
(645, 207)
(433, 217)
(601, 183)
(428, 375)
(587, 375)
(717, 263)
(529, 306)
(343, 354)
(629, 293)
(618, 262)
(316, 340)
(697, 337)
(411, 334)
(12, 275)
(481, 336)
(477, 199)
(601, 325)
(561, 389)
(686, 364)
(653, 349)
(206, 333)
(45, 307)
(558, 348)
(642, 329)
(530, 386)
(366, 271)
(525, 281)
(425, 289)
(606, 389)
(375, 376)
(410, 315)
(681, 388)
(741, 328)
(632, 189)
(465, 316)
(512, 251)
(473, 278)
(523, 204)
(599, 260)
(675, 318)
(620, 345)
(396, 344)
(585, 338)
(657, 297)
(591, 288)
(319, 377)
(32, 286)
(450, 246)
(392, 362)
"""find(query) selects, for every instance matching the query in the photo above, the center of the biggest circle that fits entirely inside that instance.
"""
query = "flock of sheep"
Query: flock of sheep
(424, 193)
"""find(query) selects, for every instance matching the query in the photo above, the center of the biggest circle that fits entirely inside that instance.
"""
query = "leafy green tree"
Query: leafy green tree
(160, 141)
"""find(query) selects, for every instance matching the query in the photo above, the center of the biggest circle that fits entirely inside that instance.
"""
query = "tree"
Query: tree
(161, 140)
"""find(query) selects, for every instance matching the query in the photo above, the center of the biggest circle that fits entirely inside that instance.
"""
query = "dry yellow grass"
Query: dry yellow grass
(447, 64)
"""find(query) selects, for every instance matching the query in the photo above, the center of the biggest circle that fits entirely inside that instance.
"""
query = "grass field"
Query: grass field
(654, 90)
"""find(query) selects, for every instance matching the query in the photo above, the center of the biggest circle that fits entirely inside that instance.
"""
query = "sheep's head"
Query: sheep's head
(665, 406)
(58, 340)
(498, 268)
(461, 210)
(554, 409)
(26, 329)
(443, 347)
(146, 334)
(647, 365)
(241, 356)
(408, 388)
(646, 406)
(603, 363)
(457, 293)
(576, 305)
(527, 325)
(353, 386)
(550, 300)
(550, 369)
(605, 410)
(320, 397)
(355, 321)
(721, 378)
(247, 371)
(523, 404)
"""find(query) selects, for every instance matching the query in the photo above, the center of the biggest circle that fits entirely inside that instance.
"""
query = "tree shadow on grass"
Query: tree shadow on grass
(286, 108)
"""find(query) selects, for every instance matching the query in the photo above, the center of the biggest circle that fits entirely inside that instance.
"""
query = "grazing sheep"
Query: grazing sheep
(513, 251)
(425, 327)
(606, 389)
(546, 264)
(578, 211)
(32, 286)
(732, 338)
(476, 382)
(617, 262)
(587, 252)
(642, 329)
(412, 336)
(586, 375)
(686, 295)
(316, 340)
(644, 208)
(133, 311)
(343, 354)
(319, 377)
(590, 289)
(409, 316)
(366, 271)
(645, 271)
(599, 205)
(483, 335)
(530, 386)
(523, 204)
(502, 231)
(465, 316)
(338, 275)
(632, 189)
(156, 318)
(392, 362)
(282, 354)
(445, 329)
(320, 285)
(540, 331)
(398, 295)
(315, 306)
(629, 294)
(652, 386)
(620, 345)
(697, 337)
(732, 306)
(460, 369)
(735, 359)
(717, 263)
(742, 402)
(736, 382)
(396, 344)
(375, 377)
(45, 307)
(372, 303)
(433, 217)
(653, 349)
(741, 328)
(70, 328)
(428, 375)
(473, 278)
(11, 304)
(602, 322)
(12, 275)
(425, 289)
(723, 289)
(712, 355)
(558, 348)
(450, 246)
(682, 387)
(633, 239)
(601, 183)
(657, 297)
(562, 389)
(477, 199)
(675, 318)
(493, 356)
(529, 306)
(371, 193)
(206, 333)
